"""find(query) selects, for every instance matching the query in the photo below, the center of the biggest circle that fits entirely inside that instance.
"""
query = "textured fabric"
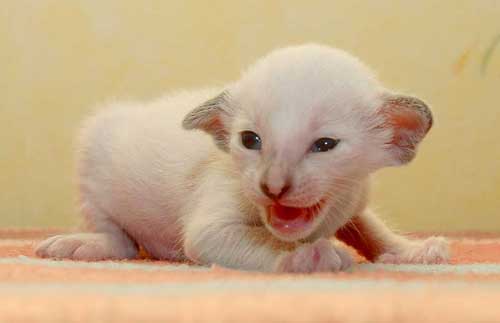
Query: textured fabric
(39, 290)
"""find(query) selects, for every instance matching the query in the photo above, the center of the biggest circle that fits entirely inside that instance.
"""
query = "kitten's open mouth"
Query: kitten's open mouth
(290, 220)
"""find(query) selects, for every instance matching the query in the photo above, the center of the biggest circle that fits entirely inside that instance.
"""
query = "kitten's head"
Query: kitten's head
(304, 125)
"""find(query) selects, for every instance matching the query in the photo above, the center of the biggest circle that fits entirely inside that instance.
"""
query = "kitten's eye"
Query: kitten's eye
(324, 144)
(251, 140)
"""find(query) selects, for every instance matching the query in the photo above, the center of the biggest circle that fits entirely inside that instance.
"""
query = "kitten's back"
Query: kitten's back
(136, 158)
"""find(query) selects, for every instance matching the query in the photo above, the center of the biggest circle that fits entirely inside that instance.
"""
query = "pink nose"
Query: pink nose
(276, 194)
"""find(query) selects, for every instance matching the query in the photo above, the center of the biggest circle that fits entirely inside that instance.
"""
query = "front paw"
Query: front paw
(433, 250)
(85, 246)
(320, 256)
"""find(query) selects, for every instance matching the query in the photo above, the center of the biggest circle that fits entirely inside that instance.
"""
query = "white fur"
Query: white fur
(146, 181)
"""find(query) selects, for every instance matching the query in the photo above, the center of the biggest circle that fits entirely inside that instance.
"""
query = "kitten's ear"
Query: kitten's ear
(409, 120)
(212, 117)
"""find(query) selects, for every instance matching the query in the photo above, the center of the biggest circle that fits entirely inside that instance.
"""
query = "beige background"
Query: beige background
(59, 58)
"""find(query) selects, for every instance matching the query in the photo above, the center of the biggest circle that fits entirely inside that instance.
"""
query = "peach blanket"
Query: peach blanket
(38, 290)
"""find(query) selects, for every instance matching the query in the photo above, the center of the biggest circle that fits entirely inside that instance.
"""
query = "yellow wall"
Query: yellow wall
(58, 58)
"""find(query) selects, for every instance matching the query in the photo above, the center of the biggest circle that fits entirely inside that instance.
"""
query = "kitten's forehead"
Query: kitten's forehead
(296, 95)
(306, 82)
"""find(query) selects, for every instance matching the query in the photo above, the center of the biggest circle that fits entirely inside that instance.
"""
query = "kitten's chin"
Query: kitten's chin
(293, 223)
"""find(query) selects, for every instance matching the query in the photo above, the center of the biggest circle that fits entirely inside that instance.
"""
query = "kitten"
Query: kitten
(282, 166)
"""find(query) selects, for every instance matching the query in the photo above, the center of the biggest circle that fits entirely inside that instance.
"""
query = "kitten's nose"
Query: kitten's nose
(275, 193)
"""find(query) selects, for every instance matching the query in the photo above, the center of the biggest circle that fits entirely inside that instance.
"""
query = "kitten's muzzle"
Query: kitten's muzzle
(290, 223)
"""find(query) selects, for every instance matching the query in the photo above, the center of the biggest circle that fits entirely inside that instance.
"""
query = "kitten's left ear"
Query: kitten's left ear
(212, 117)
(409, 120)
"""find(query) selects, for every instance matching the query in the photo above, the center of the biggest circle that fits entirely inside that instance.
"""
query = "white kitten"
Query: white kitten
(296, 139)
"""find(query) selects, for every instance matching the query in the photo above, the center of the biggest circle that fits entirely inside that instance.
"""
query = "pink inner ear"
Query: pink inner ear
(215, 124)
(406, 123)
(409, 119)
(409, 122)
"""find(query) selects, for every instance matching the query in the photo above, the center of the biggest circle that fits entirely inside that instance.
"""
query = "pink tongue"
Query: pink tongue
(288, 219)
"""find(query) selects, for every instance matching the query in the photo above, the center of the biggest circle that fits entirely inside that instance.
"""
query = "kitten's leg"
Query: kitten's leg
(375, 241)
(240, 246)
(319, 256)
(218, 232)
(106, 241)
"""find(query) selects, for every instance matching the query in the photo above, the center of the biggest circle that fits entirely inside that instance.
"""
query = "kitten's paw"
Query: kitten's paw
(320, 256)
(86, 246)
(433, 250)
